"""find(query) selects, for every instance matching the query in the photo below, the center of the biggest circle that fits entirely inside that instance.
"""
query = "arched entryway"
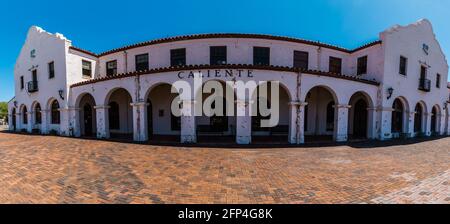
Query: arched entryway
(120, 114)
(419, 119)
(359, 117)
(13, 119)
(320, 115)
(216, 127)
(280, 132)
(435, 120)
(24, 113)
(162, 124)
(37, 117)
(399, 118)
(87, 116)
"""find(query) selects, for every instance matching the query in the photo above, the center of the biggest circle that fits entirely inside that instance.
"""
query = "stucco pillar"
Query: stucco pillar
(102, 121)
(10, 122)
(341, 123)
(372, 123)
(140, 121)
(410, 127)
(297, 125)
(243, 122)
(385, 132)
(74, 121)
(45, 121)
(447, 120)
(442, 124)
(188, 127)
(30, 122)
(428, 126)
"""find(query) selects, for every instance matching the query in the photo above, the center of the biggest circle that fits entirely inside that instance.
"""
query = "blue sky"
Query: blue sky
(99, 26)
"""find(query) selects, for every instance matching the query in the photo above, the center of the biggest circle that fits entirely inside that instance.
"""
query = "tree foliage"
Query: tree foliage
(3, 110)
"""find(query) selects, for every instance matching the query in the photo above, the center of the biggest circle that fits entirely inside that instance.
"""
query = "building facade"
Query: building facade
(393, 87)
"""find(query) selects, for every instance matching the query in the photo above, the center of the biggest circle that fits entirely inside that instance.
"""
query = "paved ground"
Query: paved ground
(36, 169)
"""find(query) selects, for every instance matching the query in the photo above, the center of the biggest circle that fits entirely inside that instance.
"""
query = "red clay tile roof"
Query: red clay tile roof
(228, 35)
(232, 66)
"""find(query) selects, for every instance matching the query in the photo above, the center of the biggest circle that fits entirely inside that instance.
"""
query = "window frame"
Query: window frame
(298, 62)
(216, 56)
(361, 65)
(83, 70)
(22, 83)
(438, 80)
(259, 59)
(147, 64)
(51, 70)
(55, 112)
(178, 55)
(330, 65)
(405, 66)
(114, 70)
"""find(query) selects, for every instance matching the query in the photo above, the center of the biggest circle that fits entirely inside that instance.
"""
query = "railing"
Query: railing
(425, 85)
(33, 86)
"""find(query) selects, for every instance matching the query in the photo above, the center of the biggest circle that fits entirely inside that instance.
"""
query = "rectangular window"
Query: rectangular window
(178, 57)
(301, 59)
(335, 65)
(261, 56)
(438, 80)
(423, 72)
(51, 70)
(87, 68)
(403, 65)
(142, 62)
(362, 66)
(22, 84)
(111, 68)
(218, 55)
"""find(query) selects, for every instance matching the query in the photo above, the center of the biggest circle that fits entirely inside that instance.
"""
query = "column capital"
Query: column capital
(244, 102)
(345, 106)
(138, 104)
(99, 107)
(297, 103)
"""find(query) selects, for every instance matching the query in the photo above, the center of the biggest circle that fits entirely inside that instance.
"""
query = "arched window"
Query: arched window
(113, 113)
(397, 117)
(55, 115)
(330, 116)
(25, 115)
(38, 114)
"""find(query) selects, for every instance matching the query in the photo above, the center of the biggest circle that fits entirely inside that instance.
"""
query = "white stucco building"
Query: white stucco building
(390, 88)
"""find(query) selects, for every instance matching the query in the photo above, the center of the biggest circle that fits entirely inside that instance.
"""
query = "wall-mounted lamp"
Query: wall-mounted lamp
(61, 92)
(390, 91)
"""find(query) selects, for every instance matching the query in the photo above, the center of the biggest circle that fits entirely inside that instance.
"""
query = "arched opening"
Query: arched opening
(14, 124)
(419, 121)
(24, 115)
(280, 132)
(87, 116)
(55, 114)
(37, 114)
(320, 115)
(219, 127)
(120, 114)
(162, 124)
(399, 118)
(435, 114)
(359, 116)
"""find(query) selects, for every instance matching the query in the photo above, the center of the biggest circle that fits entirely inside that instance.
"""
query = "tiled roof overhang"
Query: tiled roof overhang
(233, 66)
(230, 35)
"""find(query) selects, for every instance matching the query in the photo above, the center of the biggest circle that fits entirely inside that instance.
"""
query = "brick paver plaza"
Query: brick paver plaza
(37, 169)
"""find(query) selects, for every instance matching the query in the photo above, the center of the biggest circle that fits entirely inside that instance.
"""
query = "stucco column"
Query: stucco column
(297, 125)
(341, 123)
(447, 120)
(30, 122)
(74, 121)
(410, 129)
(385, 132)
(243, 122)
(442, 124)
(372, 123)
(10, 122)
(428, 126)
(102, 121)
(45, 121)
(140, 121)
(188, 127)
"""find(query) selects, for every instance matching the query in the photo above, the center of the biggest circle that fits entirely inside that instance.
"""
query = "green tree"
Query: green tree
(3, 110)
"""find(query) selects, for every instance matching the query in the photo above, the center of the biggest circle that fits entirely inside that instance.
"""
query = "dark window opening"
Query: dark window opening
(38, 114)
(111, 68)
(178, 57)
(261, 56)
(113, 114)
(142, 62)
(335, 65)
(51, 70)
(25, 115)
(22, 84)
(362, 65)
(55, 113)
(218, 55)
(301, 59)
(330, 116)
(403, 65)
(175, 122)
(438, 80)
(87, 68)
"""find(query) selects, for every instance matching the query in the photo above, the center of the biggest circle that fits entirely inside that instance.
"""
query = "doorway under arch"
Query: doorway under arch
(120, 114)
(87, 116)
